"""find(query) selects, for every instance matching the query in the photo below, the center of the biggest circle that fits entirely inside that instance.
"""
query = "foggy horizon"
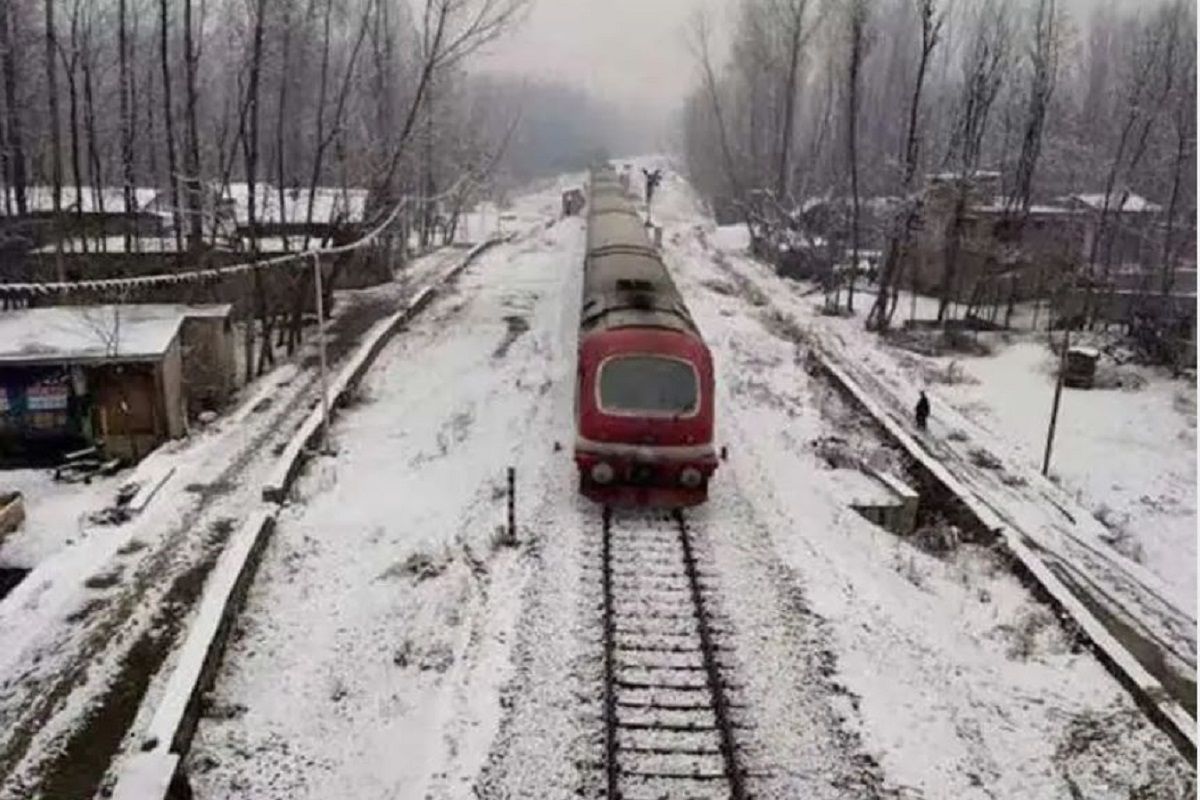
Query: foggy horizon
(635, 55)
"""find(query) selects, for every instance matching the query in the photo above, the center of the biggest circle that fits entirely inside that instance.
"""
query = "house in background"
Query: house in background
(94, 212)
(1030, 254)
(121, 377)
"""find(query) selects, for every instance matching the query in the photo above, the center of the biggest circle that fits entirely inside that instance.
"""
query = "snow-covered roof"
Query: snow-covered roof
(809, 203)
(75, 334)
(113, 244)
(330, 203)
(41, 198)
(207, 311)
(999, 204)
(1134, 203)
(978, 175)
(876, 204)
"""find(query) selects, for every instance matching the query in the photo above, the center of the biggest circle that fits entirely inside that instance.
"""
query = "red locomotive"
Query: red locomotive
(644, 392)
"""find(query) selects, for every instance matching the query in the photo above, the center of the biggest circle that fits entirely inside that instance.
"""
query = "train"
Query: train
(644, 404)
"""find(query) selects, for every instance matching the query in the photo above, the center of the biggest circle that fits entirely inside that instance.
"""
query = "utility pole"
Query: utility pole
(1058, 386)
(316, 257)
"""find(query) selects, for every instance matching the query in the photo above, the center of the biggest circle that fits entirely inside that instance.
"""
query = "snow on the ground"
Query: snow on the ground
(68, 626)
(1127, 454)
(962, 684)
(402, 629)
(55, 513)
(371, 655)
(392, 646)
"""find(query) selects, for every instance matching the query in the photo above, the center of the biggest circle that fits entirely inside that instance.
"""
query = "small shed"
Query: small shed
(1080, 369)
(117, 376)
(209, 367)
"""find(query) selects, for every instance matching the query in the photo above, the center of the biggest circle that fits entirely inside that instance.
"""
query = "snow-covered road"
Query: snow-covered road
(393, 646)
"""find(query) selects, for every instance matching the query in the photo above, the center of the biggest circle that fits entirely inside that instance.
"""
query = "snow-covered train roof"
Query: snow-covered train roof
(616, 229)
(625, 283)
(623, 289)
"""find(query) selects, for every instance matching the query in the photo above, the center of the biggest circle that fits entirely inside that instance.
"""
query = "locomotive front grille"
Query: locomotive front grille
(641, 474)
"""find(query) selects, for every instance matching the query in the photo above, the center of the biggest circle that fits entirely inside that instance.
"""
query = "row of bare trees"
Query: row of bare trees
(182, 96)
(854, 99)
(168, 102)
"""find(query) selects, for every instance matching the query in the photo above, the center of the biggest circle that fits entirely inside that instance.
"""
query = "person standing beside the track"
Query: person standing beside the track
(922, 410)
(652, 180)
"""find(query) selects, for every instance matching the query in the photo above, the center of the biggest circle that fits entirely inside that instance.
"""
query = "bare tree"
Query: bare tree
(70, 65)
(14, 147)
(790, 14)
(95, 164)
(449, 31)
(168, 124)
(281, 110)
(932, 20)
(1150, 76)
(1043, 58)
(700, 45)
(126, 101)
(250, 153)
(856, 44)
(986, 60)
(1183, 120)
(56, 176)
(323, 137)
(194, 178)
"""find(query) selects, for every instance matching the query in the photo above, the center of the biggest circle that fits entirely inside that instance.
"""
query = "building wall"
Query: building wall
(127, 408)
(170, 382)
(1030, 260)
(138, 406)
(209, 363)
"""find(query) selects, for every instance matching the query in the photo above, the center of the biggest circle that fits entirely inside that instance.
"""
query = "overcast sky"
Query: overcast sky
(631, 52)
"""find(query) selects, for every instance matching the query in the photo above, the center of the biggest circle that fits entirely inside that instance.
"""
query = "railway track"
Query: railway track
(671, 713)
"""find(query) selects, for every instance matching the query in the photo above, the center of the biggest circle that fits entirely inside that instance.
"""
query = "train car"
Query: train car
(644, 391)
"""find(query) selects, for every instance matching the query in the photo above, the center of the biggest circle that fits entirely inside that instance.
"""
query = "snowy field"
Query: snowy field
(1127, 454)
(394, 646)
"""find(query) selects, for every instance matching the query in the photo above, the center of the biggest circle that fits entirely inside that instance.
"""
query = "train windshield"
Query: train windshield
(648, 385)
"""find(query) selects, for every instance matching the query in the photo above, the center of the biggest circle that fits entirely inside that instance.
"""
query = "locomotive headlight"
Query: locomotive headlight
(690, 477)
(602, 473)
